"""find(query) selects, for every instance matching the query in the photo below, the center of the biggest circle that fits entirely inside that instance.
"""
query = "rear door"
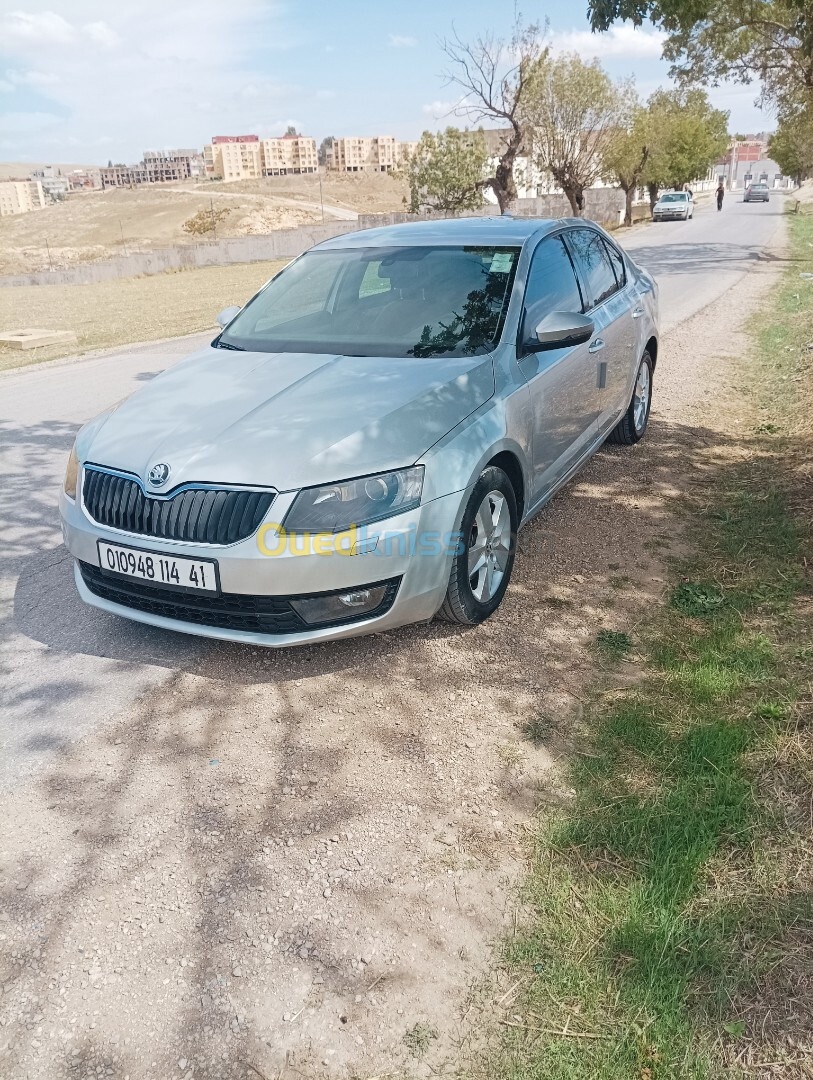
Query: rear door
(613, 306)
(562, 382)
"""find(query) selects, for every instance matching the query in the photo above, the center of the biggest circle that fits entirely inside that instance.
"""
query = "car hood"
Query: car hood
(288, 420)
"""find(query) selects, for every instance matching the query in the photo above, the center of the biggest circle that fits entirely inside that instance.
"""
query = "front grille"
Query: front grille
(231, 611)
(199, 515)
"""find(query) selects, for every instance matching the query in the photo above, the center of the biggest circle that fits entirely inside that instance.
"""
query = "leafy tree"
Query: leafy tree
(770, 41)
(688, 136)
(446, 171)
(574, 112)
(791, 146)
(291, 130)
(627, 155)
(493, 75)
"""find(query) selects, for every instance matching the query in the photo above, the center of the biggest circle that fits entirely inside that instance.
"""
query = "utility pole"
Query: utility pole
(214, 219)
(123, 243)
(48, 249)
(321, 198)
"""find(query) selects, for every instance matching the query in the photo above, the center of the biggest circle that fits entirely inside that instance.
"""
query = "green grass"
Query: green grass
(661, 900)
(613, 643)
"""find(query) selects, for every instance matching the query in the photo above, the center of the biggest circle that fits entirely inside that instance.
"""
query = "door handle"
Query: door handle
(637, 313)
(597, 345)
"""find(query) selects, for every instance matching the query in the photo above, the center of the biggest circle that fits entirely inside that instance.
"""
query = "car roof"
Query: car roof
(489, 231)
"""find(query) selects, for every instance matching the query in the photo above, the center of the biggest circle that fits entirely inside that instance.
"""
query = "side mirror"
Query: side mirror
(226, 316)
(560, 330)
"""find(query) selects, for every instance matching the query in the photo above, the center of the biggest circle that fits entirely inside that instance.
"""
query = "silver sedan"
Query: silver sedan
(359, 446)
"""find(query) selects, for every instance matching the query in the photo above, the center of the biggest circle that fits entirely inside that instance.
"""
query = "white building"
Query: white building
(20, 197)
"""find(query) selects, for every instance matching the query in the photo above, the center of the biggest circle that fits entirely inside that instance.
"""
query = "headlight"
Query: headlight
(72, 474)
(335, 507)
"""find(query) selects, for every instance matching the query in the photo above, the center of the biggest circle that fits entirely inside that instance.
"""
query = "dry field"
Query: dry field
(91, 226)
(133, 309)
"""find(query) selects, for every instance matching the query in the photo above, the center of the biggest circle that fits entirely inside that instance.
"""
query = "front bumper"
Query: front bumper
(671, 215)
(411, 550)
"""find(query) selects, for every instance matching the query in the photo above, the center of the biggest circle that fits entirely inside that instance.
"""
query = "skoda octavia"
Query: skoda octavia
(360, 444)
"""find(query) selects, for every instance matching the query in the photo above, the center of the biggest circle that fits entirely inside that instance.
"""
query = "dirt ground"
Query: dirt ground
(130, 310)
(297, 864)
(90, 226)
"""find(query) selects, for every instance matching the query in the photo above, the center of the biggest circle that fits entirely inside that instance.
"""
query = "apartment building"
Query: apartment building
(156, 167)
(289, 154)
(233, 157)
(20, 197)
(377, 153)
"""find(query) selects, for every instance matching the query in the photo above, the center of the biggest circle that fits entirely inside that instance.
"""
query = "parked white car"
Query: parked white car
(674, 206)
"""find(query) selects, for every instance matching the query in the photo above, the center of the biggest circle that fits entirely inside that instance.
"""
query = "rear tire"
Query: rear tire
(482, 566)
(631, 428)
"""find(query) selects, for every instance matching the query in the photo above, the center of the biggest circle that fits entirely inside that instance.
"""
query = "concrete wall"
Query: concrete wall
(602, 204)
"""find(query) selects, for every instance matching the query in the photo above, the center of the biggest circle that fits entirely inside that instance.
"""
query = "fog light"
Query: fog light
(339, 606)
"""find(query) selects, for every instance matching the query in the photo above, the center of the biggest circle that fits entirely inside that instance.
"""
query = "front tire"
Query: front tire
(631, 428)
(483, 563)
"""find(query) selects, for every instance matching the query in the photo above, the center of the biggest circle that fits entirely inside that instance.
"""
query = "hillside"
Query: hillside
(89, 226)
(21, 170)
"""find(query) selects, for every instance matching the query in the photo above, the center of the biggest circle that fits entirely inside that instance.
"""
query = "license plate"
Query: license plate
(169, 571)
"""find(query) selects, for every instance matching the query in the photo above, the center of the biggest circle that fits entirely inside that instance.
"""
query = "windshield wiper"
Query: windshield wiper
(220, 344)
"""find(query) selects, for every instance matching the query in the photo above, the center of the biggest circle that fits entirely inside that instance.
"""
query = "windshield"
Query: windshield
(676, 196)
(759, 187)
(409, 301)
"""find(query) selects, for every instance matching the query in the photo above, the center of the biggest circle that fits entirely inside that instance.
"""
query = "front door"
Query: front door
(611, 307)
(562, 382)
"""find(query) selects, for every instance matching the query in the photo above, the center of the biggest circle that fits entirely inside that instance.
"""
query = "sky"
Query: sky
(89, 81)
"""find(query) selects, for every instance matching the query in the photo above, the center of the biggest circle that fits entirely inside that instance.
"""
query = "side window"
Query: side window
(552, 284)
(618, 265)
(594, 262)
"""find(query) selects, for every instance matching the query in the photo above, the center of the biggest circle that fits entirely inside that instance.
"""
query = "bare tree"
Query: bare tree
(573, 113)
(493, 74)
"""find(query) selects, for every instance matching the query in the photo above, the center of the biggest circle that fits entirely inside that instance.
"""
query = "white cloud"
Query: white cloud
(620, 42)
(102, 34)
(46, 27)
(401, 41)
(440, 109)
(142, 72)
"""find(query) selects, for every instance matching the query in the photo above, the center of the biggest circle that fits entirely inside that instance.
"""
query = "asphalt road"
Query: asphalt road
(65, 668)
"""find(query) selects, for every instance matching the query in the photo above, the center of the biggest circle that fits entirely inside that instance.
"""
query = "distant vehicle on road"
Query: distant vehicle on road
(757, 193)
(673, 206)
(359, 445)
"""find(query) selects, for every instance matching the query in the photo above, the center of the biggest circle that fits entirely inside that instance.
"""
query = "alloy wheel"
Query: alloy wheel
(641, 398)
(489, 546)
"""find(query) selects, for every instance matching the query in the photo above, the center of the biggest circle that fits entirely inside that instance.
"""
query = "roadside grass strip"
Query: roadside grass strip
(669, 928)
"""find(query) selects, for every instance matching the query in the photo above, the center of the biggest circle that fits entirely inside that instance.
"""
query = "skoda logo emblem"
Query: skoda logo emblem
(158, 475)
